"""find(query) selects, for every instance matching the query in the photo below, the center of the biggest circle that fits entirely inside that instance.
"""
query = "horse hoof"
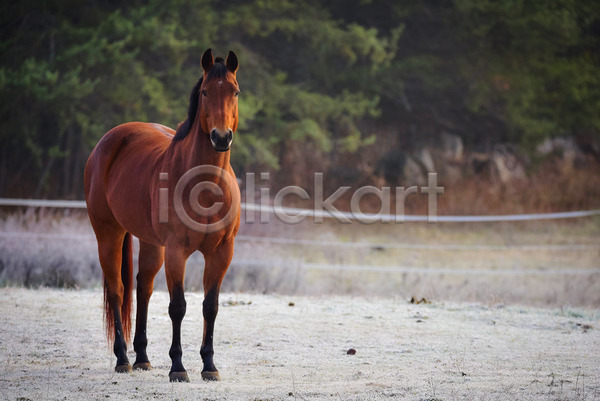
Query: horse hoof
(142, 366)
(123, 368)
(211, 376)
(179, 377)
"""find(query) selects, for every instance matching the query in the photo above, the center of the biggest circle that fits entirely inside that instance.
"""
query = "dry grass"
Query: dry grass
(550, 188)
(66, 256)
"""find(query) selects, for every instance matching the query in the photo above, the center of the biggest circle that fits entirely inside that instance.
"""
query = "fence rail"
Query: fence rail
(366, 217)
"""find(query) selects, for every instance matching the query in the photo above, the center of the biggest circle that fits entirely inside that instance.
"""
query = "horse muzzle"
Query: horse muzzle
(221, 141)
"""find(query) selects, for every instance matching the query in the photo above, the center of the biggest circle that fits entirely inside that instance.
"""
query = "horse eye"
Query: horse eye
(237, 93)
(204, 93)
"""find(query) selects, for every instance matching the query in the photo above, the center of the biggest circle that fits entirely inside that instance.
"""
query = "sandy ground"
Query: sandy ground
(52, 347)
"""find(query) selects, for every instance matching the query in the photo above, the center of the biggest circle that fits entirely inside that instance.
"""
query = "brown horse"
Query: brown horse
(137, 182)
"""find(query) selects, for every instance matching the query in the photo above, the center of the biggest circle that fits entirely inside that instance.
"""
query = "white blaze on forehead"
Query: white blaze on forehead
(220, 83)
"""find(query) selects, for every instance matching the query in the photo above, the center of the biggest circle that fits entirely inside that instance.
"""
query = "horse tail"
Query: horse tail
(127, 279)
(126, 306)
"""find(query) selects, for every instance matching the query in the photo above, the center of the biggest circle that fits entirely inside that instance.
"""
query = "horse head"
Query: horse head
(218, 110)
(214, 101)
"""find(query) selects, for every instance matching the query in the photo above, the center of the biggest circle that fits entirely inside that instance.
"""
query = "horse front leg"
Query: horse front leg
(175, 259)
(216, 266)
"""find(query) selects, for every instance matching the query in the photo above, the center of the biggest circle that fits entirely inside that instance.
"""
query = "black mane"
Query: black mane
(185, 127)
(219, 70)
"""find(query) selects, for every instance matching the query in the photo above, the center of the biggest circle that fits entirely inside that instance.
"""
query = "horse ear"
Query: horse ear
(207, 60)
(231, 62)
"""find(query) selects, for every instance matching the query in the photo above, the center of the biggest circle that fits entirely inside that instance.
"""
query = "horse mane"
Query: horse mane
(219, 70)
(184, 127)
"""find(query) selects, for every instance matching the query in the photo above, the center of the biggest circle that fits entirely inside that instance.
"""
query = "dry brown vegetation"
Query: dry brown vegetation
(545, 263)
(551, 188)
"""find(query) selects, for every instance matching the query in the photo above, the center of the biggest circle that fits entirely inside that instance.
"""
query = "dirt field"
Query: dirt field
(273, 347)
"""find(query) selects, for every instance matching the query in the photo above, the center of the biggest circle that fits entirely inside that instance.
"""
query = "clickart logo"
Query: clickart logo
(273, 206)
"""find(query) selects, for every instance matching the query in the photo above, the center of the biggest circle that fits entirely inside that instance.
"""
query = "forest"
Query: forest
(501, 94)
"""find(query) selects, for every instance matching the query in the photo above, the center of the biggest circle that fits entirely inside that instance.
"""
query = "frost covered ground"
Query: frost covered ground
(272, 347)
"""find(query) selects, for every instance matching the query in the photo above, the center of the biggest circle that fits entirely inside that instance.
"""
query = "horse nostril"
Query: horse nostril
(214, 137)
(221, 141)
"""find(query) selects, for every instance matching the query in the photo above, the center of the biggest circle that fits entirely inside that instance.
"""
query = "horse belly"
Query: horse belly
(131, 207)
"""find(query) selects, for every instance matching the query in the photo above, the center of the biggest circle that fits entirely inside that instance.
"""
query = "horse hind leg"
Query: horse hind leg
(150, 261)
(114, 254)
